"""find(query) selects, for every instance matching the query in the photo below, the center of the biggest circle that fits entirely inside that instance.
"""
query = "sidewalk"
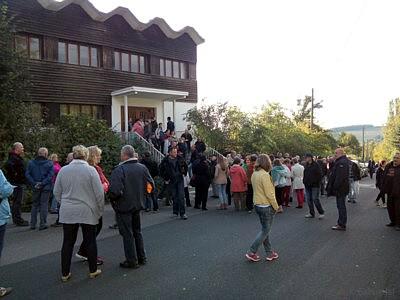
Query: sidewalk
(22, 243)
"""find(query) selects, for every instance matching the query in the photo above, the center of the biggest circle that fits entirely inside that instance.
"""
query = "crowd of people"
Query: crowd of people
(264, 184)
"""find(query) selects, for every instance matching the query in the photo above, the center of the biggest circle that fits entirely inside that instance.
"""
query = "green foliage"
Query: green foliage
(350, 143)
(269, 131)
(303, 114)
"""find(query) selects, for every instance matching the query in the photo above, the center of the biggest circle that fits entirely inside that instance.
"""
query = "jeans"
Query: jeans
(214, 190)
(266, 215)
(228, 191)
(2, 234)
(312, 195)
(223, 197)
(40, 200)
(178, 194)
(151, 198)
(354, 190)
(53, 203)
(89, 239)
(382, 196)
(341, 206)
(17, 198)
(131, 232)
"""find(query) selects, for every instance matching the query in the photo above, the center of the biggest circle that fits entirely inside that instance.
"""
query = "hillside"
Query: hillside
(371, 132)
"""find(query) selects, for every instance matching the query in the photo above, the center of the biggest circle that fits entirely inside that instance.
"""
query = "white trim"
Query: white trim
(138, 89)
(127, 15)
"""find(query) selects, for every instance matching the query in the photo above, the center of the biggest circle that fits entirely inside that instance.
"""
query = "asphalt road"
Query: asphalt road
(203, 257)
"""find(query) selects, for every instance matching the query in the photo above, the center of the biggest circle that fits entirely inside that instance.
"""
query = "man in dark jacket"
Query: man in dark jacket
(391, 186)
(312, 181)
(152, 166)
(200, 146)
(128, 185)
(339, 186)
(39, 175)
(172, 170)
(355, 177)
(188, 138)
(170, 125)
(15, 173)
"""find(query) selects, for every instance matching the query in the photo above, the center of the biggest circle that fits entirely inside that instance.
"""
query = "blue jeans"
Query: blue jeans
(53, 203)
(266, 215)
(341, 206)
(312, 196)
(40, 202)
(2, 233)
(223, 197)
(178, 197)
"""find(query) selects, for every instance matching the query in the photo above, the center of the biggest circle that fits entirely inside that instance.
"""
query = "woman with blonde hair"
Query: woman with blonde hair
(266, 207)
(221, 180)
(94, 160)
(79, 190)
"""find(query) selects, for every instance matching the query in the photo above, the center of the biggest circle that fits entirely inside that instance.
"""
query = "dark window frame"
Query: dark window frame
(100, 109)
(163, 61)
(27, 37)
(89, 46)
(130, 54)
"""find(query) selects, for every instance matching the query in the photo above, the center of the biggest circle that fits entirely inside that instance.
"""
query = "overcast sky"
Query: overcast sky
(259, 51)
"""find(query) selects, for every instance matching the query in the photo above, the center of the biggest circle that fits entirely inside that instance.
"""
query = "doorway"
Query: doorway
(135, 113)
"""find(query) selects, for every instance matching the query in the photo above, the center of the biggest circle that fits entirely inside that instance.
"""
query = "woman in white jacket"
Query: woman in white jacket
(298, 185)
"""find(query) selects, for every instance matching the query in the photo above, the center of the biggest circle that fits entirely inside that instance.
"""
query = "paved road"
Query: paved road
(204, 258)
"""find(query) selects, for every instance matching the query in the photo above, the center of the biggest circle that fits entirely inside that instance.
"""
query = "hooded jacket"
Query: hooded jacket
(40, 170)
(238, 179)
(15, 169)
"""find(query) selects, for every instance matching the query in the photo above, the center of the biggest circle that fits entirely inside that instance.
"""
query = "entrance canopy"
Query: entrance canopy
(138, 96)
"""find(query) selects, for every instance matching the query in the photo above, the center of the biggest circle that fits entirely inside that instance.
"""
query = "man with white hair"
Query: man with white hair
(15, 173)
(129, 182)
(39, 175)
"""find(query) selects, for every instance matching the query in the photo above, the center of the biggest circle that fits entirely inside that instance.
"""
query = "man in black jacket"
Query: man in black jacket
(128, 186)
(339, 186)
(391, 186)
(172, 170)
(312, 181)
(152, 166)
(15, 173)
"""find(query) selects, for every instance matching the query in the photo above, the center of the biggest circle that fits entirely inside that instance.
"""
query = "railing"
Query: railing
(132, 137)
(211, 151)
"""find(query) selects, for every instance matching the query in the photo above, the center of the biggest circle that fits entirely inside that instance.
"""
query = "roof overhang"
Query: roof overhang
(97, 15)
(159, 93)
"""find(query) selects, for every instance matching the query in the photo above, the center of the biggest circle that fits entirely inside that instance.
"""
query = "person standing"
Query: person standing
(221, 179)
(279, 175)
(379, 184)
(371, 168)
(266, 207)
(94, 161)
(288, 187)
(391, 186)
(339, 186)
(249, 172)
(170, 125)
(298, 185)
(159, 134)
(152, 166)
(188, 138)
(202, 178)
(15, 173)
(355, 177)
(39, 175)
(213, 163)
(238, 184)
(79, 191)
(57, 168)
(312, 182)
(172, 170)
(324, 168)
(129, 183)
(200, 146)
(6, 190)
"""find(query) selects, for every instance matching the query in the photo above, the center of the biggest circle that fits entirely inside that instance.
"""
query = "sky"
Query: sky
(260, 51)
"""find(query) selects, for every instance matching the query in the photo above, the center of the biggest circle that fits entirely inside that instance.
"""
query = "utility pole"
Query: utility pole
(363, 141)
(312, 109)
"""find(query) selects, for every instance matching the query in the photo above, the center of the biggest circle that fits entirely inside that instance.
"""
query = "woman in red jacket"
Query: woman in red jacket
(238, 184)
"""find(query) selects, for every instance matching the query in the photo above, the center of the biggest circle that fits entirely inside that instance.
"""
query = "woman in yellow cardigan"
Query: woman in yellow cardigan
(266, 207)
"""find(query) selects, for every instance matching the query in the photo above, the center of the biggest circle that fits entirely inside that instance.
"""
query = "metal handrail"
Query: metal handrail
(131, 136)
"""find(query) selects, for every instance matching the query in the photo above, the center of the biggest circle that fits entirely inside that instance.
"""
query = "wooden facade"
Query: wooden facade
(55, 83)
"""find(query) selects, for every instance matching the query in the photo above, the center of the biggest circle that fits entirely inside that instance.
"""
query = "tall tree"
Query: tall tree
(303, 113)
(350, 143)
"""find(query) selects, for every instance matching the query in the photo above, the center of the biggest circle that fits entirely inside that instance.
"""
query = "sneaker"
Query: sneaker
(384, 205)
(253, 257)
(66, 278)
(309, 216)
(81, 257)
(321, 216)
(184, 217)
(5, 291)
(272, 256)
(339, 228)
(100, 261)
(94, 274)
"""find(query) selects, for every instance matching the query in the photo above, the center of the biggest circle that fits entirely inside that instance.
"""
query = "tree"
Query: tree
(350, 143)
(303, 113)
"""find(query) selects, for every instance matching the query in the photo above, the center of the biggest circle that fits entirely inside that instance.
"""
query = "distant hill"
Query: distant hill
(371, 132)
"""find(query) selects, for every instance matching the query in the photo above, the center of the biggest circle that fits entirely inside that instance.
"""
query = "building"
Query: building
(108, 65)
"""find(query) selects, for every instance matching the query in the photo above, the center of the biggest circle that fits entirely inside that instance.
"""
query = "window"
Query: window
(95, 111)
(129, 62)
(125, 62)
(73, 53)
(84, 56)
(28, 44)
(172, 68)
(62, 52)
